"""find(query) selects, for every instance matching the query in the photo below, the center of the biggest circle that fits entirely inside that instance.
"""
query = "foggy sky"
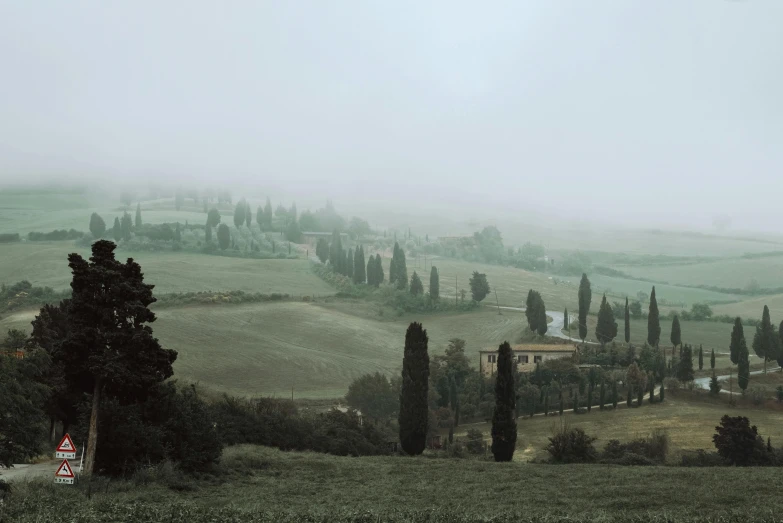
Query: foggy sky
(635, 112)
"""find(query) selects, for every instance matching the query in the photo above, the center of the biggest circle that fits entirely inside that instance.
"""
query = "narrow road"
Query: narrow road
(25, 472)
(704, 383)
(554, 327)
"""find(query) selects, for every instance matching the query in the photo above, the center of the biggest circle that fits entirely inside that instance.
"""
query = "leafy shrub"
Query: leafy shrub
(22, 294)
(569, 445)
(630, 459)
(475, 442)
(702, 458)
(739, 443)
(757, 395)
(673, 384)
(210, 297)
(654, 448)
(56, 235)
(9, 237)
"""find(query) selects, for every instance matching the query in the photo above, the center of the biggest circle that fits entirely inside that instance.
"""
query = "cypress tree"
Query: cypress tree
(676, 335)
(416, 287)
(701, 357)
(267, 215)
(541, 325)
(737, 339)
(628, 400)
(627, 322)
(743, 369)
(590, 396)
(585, 297)
(349, 259)
(651, 380)
(606, 328)
(546, 402)
(126, 224)
(712, 360)
(335, 251)
(249, 215)
(208, 233)
(379, 276)
(259, 218)
(614, 394)
(137, 223)
(602, 395)
(400, 270)
(454, 399)
(393, 267)
(653, 322)
(414, 410)
(576, 402)
(359, 274)
(504, 423)
(530, 310)
(766, 343)
(116, 231)
(562, 403)
(639, 396)
(566, 324)
(371, 277)
(434, 284)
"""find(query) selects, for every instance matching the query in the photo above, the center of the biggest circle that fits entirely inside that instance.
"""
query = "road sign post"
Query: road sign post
(64, 474)
(66, 449)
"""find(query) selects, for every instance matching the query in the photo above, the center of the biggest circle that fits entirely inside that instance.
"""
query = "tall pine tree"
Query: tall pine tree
(138, 216)
(504, 423)
(585, 297)
(116, 231)
(359, 273)
(335, 252)
(379, 275)
(743, 366)
(676, 334)
(627, 322)
(606, 329)
(349, 265)
(400, 268)
(416, 287)
(737, 339)
(712, 359)
(434, 284)
(566, 323)
(701, 357)
(414, 409)
(766, 342)
(653, 322)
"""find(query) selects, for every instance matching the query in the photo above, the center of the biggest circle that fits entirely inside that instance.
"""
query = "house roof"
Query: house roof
(534, 348)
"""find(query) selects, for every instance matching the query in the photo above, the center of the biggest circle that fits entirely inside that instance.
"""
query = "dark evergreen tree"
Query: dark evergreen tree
(414, 409)
(712, 359)
(259, 215)
(335, 252)
(743, 367)
(359, 273)
(590, 387)
(213, 217)
(676, 335)
(606, 329)
(546, 401)
(102, 356)
(434, 284)
(562, 402)
(627, 322)
(576, 402)
(349, 258)
(530, 310)
(504, 423)
(223, 236)
(392, 271)
(177, 234)
(479, 286)
(766, 342)
(416, 287)
(602, 395)
(585, 297)
(639, 396)
(614, 394)
(248, 215)
(116, 231)
(701, 357)
(651, 382)
(379, 275)
(566, 322)
(541, 323)
(685, 367)
(653, 322)
(138, 217)
(371, 274)
(239, 213)
(97, 225)
(400, 268)
(126, 224)
(267, 222)
(208, 233)
(628, 400)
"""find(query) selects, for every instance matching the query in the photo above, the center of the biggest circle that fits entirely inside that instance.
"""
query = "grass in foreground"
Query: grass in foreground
(263, 484)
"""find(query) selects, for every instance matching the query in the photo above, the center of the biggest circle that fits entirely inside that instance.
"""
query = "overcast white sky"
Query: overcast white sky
(651, 112)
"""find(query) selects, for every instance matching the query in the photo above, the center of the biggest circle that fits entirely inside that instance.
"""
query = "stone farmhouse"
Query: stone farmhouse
(525, 356)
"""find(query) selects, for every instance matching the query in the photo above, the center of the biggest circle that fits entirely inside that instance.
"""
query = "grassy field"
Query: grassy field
(689, 419)
(753, 307)
(46, 263)
(265, 485)
(728, 273)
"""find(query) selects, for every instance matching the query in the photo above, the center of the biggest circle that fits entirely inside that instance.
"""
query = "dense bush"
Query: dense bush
(9, 237)
(739, 443)
(569, 445)
(277, 423)
(210, 297)
(56, 235)
(171, 424)
(653, 448)
(475, 442)
(702, 458)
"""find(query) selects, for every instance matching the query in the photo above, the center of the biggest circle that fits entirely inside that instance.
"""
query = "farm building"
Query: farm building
(525, 356)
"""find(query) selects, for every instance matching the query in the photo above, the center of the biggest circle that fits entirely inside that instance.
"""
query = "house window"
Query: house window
(522, 359)
(491, 358)
(537, 359)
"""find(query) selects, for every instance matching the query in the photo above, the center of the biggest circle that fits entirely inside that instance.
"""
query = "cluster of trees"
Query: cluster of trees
(535, 312)
(398, 269)
(99, 367)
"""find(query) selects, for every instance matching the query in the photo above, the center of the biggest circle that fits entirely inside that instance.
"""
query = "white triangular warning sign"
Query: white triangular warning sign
(66, 445)
(66, 448)
(64, 470)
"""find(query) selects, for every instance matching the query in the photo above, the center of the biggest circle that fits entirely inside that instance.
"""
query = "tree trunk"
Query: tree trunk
(92, 438)
(52, 427)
